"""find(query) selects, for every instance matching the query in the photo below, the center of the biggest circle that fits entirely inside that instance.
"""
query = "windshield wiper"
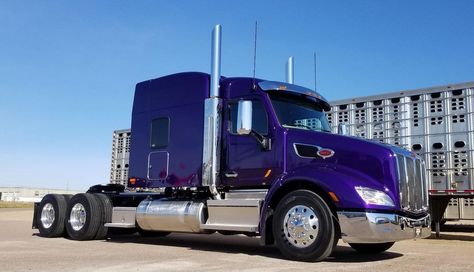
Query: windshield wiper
(305, 126)
(298, 126)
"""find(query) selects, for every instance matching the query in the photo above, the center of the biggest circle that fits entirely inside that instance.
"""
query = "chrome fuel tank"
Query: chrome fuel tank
(175, 216)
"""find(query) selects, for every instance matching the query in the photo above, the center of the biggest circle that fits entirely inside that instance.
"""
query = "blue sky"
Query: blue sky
(68, 68)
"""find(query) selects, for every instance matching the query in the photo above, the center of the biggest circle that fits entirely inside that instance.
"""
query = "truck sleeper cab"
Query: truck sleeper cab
(244, 155)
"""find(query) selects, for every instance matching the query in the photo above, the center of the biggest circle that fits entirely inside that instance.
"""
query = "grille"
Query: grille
(412, 183)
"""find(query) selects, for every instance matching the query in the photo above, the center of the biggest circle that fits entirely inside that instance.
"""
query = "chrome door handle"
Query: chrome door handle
(231, 174)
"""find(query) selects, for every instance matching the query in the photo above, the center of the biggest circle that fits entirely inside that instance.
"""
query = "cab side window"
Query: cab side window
(259, 117)
(160, 132)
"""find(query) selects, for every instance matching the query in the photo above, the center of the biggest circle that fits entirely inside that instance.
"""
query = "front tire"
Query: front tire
(372, 248)
(303, 227)
(51, 215)
(84, 217)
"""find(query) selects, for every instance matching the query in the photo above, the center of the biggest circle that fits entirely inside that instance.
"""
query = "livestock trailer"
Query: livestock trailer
(436, 123)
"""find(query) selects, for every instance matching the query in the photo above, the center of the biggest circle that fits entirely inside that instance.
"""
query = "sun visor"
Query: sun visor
(294, 89)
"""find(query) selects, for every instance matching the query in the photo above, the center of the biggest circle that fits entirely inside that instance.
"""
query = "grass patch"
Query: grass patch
(15, 204)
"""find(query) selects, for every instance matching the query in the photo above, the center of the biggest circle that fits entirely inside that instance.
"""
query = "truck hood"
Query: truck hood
(360, 162)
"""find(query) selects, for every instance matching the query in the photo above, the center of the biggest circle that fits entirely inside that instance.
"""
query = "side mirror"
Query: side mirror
(244, 117)
(343, 129)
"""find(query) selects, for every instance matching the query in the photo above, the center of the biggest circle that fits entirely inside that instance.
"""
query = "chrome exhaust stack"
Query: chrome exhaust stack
(215, 61)
(213, 120)
(290, 71)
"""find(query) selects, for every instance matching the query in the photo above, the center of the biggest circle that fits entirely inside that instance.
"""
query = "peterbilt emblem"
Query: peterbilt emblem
(325, 153)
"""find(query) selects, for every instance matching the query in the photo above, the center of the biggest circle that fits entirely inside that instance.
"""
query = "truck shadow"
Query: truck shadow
(345, 254)
(452, 237)
(239, 244)
(457, 228)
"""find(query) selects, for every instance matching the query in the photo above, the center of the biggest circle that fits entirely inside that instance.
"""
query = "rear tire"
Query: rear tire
(372, 248)
(51, 215)
(83, 217)
(106, 211)
(303, 227)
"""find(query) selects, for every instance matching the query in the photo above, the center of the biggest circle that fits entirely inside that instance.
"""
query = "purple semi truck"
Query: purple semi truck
(249, 156)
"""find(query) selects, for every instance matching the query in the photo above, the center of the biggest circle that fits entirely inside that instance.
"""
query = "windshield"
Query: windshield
(294, 111)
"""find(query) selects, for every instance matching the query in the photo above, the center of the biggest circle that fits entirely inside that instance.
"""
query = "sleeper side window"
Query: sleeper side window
(259, 117)
(160, 132)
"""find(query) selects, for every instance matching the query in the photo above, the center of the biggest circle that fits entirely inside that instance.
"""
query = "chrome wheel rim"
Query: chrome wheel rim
(301, 226)
(47, 215)
(77, 218)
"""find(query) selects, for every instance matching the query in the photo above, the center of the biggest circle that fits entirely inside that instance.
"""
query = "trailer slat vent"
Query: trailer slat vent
(415, 97)
(437, 145)
(457, 92)
(435, 95)
(459, 144)
(438, 160)
(460, 159)
(416, 147)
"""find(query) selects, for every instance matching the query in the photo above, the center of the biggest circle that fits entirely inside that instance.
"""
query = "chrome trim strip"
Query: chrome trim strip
(150, 166)
(211, 144)
(304, 157)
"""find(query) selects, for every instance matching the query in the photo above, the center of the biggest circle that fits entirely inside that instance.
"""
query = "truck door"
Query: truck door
(246, 163)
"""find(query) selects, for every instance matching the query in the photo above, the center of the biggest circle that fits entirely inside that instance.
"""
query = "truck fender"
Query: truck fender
(321, 180)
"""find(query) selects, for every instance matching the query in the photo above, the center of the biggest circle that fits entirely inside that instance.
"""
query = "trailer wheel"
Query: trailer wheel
(303, 227)
(372, 248)
(51, 215)
(106, 215)
(84, 216)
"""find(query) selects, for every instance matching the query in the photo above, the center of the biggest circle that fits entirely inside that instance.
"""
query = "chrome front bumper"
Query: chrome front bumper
(366, 227)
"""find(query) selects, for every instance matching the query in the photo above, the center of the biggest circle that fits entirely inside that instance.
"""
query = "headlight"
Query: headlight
(374, 197)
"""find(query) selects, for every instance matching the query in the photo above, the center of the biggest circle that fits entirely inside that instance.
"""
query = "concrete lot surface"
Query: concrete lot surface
(22, 250)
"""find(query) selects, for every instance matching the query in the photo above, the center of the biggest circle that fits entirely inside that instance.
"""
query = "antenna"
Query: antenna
(255, 55)
(315, 74)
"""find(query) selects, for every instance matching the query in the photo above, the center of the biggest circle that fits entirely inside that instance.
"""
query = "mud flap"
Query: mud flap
(35, 215)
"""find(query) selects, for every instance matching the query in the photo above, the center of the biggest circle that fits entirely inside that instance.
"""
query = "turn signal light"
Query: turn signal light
(333, 197)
